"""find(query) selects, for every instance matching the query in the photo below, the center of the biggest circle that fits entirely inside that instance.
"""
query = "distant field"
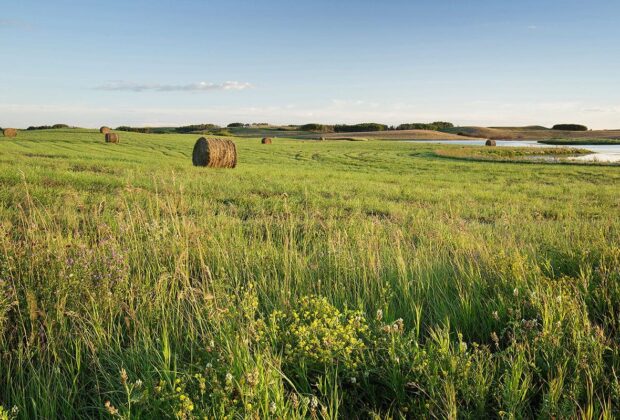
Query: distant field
(457, 133)
(273, 131)
(318, 279)
(386, 135)
(396, 135)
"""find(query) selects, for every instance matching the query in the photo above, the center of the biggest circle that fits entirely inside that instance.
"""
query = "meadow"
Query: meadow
(318, 279)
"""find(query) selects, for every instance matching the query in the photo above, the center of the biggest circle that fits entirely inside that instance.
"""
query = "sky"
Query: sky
(163, 63)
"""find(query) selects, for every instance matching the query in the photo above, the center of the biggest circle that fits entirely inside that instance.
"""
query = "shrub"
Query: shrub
(570, 127)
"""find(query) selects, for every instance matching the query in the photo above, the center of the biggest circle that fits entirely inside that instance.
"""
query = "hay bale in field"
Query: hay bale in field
(9, 132)
(214, 153)
(266, 140)
(111, 138)
(104, 130)
(490, 143)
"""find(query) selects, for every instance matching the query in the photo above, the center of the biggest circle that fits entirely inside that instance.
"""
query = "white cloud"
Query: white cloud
(120, 85)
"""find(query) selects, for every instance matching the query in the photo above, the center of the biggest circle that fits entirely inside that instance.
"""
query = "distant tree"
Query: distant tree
(435, 126)
(47, 127)
(443, 125)
(413, 126)
(235, 124)
(321, 128)
(196, 127)
(344, 128)
(570, 127)
(145, 130)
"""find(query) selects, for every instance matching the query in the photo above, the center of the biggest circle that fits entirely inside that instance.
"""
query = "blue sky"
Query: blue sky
(473, 62)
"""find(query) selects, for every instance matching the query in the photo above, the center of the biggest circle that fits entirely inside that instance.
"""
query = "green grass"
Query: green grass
(329, 279)
(583, 141)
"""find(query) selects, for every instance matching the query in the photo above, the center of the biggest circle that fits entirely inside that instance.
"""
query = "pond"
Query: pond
(600, 152)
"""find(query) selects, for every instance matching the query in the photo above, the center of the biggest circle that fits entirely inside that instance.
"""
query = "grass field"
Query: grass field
(317, 279)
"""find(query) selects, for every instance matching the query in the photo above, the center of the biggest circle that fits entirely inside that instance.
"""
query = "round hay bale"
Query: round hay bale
(111, 138)
(490, 143)
(104, 130)
(214, 153)
(266, 140)
(9, 132)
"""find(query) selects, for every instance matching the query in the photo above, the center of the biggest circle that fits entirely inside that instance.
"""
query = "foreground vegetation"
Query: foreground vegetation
(512, 154)
(327, 279)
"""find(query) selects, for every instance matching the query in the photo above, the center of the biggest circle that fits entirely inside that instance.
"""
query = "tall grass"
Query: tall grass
(334, 280)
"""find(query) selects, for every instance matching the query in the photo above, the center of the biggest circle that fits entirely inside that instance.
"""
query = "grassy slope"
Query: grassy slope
(125, 256)
(531, 133)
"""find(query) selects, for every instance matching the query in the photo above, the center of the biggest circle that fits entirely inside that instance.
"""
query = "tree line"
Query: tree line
(350, 128)
(47, 127)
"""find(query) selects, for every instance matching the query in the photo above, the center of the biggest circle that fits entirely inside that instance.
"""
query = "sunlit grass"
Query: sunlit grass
(333, 279)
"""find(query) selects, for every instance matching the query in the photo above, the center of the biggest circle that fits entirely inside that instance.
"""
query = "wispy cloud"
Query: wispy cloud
(120, 85)
(15, 24)
(608, 110)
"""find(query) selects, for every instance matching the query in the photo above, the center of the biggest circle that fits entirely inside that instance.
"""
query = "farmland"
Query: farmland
(318, 278)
